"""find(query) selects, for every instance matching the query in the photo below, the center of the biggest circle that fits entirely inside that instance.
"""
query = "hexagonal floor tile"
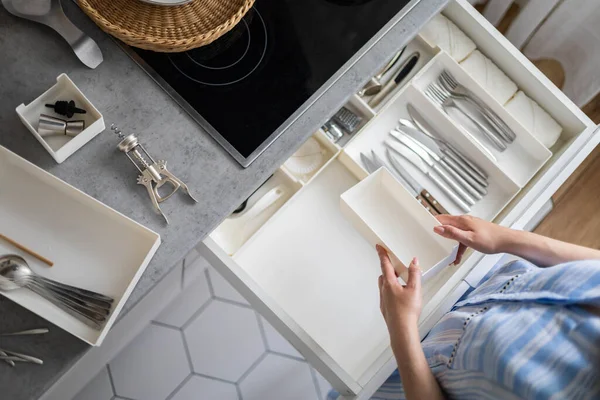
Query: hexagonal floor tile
(151, 366)
(99, 388)
(183, 307)
(223, 289)
(198, 387)
(224, 340)
(195, 265)
(278, 343)
(277, 377)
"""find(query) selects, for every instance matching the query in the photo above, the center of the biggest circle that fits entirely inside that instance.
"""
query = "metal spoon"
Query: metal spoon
(15, 274)
(20, 270)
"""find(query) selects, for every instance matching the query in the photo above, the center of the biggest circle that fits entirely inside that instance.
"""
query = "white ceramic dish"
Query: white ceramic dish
(385, 213)
(61, 147)
(92, 246)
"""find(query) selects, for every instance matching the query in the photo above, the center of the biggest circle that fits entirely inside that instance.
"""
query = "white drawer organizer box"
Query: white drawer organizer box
(312, 274)
(92, 246)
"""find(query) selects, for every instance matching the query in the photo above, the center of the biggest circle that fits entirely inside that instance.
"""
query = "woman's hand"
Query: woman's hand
(472, 232)
(400, 305)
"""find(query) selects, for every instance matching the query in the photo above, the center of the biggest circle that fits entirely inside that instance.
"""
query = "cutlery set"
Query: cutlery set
(89, 307)
(457, 176)
(457, 100)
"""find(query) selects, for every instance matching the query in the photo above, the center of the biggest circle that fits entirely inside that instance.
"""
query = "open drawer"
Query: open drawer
(313, 276)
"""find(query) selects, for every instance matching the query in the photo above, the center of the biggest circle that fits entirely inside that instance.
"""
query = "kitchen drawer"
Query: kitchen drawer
(312, 275)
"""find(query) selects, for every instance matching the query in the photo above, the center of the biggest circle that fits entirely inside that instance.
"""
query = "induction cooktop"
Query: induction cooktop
(245, 88)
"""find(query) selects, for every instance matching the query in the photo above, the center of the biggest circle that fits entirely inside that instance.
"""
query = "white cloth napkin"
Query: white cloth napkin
(489, 76)
(534, 118)
(442, 32)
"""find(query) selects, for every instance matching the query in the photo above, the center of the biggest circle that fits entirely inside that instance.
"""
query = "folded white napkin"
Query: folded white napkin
(442, 32)
(489, 76)
(534, 118)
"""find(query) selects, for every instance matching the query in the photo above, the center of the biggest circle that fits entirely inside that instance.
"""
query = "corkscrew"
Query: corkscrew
(154, 174)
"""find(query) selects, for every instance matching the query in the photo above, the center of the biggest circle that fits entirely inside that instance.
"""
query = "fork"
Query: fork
(445, 100)
(451, 84)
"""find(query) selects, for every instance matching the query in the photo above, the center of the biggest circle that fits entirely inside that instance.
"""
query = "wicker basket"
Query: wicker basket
(166, 29)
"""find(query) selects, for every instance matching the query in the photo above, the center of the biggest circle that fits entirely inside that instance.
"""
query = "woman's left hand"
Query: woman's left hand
(400, 305)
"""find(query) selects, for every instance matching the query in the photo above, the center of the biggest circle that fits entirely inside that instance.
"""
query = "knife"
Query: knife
(424, 195)
(405, 70)
(418, 162)
(375, 163)
(452, 152)
(410, 143)
(472, 185)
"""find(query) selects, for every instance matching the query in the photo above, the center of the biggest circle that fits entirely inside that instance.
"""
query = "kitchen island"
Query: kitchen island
(33, 56)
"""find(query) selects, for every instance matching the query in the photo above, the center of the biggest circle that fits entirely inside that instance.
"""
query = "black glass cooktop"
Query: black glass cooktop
(245, 86)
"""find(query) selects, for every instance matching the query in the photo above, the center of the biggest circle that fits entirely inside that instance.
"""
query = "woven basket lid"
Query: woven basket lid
(166, 29)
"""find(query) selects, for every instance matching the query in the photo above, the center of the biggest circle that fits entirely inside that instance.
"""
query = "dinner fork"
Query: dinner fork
(442, 98)
(451, 84)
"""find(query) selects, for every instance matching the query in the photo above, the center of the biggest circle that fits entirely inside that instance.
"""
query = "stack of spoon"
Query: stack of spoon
(89, 307)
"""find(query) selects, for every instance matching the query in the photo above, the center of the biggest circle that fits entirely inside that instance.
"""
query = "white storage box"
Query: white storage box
(387, 214)
(61, 147)
(92, 246)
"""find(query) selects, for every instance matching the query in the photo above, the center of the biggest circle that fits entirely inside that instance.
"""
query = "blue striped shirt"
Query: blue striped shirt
(521, 334)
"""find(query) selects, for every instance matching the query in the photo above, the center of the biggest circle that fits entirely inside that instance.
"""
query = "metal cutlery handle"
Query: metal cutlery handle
(467, 110)
(23, 357)
(467, 186)
(92, 312)
(454, 185)
(466, 164)
(492, 118)
(39, 331)
(6, 359)
(75, 296)
(434, 203)
(74, 312)
(461, 204)
(487, 111)
(472, 184)
(82, 292)
(102, 309)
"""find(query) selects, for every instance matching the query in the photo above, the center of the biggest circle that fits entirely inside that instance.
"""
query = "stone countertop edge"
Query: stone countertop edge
(33, 56)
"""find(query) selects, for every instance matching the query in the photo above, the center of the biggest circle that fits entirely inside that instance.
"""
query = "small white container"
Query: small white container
(61, 147)
(385, 213)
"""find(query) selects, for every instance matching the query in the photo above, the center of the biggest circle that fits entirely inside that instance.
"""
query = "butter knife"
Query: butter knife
(472, 185)
(455, 185)
(452, 152)
(418, 162)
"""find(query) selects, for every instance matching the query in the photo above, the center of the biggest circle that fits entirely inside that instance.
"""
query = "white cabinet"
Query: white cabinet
(314, 277)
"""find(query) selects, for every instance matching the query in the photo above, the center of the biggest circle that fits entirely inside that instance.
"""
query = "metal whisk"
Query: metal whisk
(154, 174)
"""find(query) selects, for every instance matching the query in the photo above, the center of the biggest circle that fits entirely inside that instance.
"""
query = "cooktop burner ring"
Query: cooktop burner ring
(248, 41)
(214, 76)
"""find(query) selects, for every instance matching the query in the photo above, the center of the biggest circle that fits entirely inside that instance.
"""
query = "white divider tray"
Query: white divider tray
(92, 246)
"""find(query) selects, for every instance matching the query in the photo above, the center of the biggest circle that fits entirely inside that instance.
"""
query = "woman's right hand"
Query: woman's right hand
(472, 232)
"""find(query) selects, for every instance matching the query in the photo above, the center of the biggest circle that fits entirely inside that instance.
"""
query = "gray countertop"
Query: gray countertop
(32, 56)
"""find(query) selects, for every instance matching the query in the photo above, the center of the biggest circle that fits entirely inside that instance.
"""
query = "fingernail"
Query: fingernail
(439, 229)
(415, 261)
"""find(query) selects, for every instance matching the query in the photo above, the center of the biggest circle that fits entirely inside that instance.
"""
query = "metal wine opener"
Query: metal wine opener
(154, 173)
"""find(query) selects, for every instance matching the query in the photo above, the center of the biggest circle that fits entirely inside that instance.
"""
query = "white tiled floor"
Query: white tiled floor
(208, 344)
